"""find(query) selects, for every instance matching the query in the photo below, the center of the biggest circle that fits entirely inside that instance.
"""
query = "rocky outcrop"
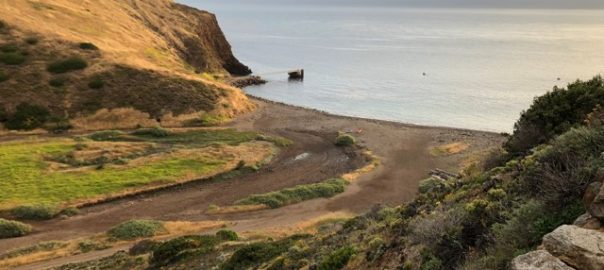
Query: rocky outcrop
(194, 34)
(594, 200)
(586, 221)
(538, 260)
(577, 247)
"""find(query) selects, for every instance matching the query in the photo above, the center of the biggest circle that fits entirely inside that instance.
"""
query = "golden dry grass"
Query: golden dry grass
(232, 209)
(72, 247)
(373, 163)
(449, 149)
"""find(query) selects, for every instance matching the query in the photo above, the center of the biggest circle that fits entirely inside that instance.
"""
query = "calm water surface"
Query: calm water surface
(482, 66)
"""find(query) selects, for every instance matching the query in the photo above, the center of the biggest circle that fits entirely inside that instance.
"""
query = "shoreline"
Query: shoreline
(373, 120)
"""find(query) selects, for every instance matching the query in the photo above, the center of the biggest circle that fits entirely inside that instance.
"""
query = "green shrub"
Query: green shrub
(32, 40)
(96, 83)
(143, 247)
(227, 235)
(69, 212)
(3, 76)
(345, 140)
(27, 117)
(297, 194)
(105, 135)
(57, 82)
(255, 254)
(156, 132)
(3, 114)
(35, 212)
(9, 48)
(9, 229)
(566, 166)
(337, 259)
(554, 113)
(431, 184)
(136, 229)
(88, 46)
(12, 58)
(67, 65)
(91, 245)
(182, 247)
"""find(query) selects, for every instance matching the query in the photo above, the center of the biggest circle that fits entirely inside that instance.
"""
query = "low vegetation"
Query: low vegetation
(345, 140)
(296, 194)
(42, 173)
(9, 229)
(96, 83)
(35, 212)
(3, 76)
(12, 58)
(27, 117)
(87, 46)
(57, 82)
(133, 229)
(32, 40)
(67, 65)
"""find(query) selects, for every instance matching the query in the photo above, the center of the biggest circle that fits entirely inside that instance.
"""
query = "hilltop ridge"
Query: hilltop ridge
(155, 61)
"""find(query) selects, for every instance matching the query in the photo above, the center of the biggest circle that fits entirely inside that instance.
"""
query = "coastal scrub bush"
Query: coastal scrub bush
(35, 212)
(96, 83)
(337, 259)
(137, 228)
(67, 65)
(3, 114)
(297, 194)
(27, 117)
(566, 166)
(554, 113)
(105, 135)
(88, 46)
(227, 235)
(9, 228)
(345, 140)
(32, 40)
(182, 247)
(156, 132)
(12, 58)
(255, 254)
(3, 76)
(9, 48)
(57, 82)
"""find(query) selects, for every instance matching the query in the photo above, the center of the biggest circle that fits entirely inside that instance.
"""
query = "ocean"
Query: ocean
(463, 68)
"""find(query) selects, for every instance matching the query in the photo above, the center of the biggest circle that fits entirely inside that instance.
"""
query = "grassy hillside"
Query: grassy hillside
(68, 60)
(497, 209)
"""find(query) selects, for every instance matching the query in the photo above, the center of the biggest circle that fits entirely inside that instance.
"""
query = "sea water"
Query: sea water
(464, 68)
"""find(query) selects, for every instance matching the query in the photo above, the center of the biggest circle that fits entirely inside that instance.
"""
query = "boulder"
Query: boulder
(538, 260)
(594, 195)
(586, 221)
(590, 193)
(577, 247)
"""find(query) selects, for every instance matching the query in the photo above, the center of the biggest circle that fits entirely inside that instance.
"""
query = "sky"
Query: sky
(545, 4)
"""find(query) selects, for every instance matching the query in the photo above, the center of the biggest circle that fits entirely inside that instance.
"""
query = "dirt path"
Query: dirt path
(403, 150)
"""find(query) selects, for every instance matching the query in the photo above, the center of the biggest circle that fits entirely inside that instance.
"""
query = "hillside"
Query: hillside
(70, 62)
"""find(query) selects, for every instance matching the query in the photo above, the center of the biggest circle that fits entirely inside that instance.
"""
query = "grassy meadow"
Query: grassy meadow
(63, 171)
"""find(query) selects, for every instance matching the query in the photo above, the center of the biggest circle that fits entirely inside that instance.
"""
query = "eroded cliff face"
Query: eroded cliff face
(194, 34)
